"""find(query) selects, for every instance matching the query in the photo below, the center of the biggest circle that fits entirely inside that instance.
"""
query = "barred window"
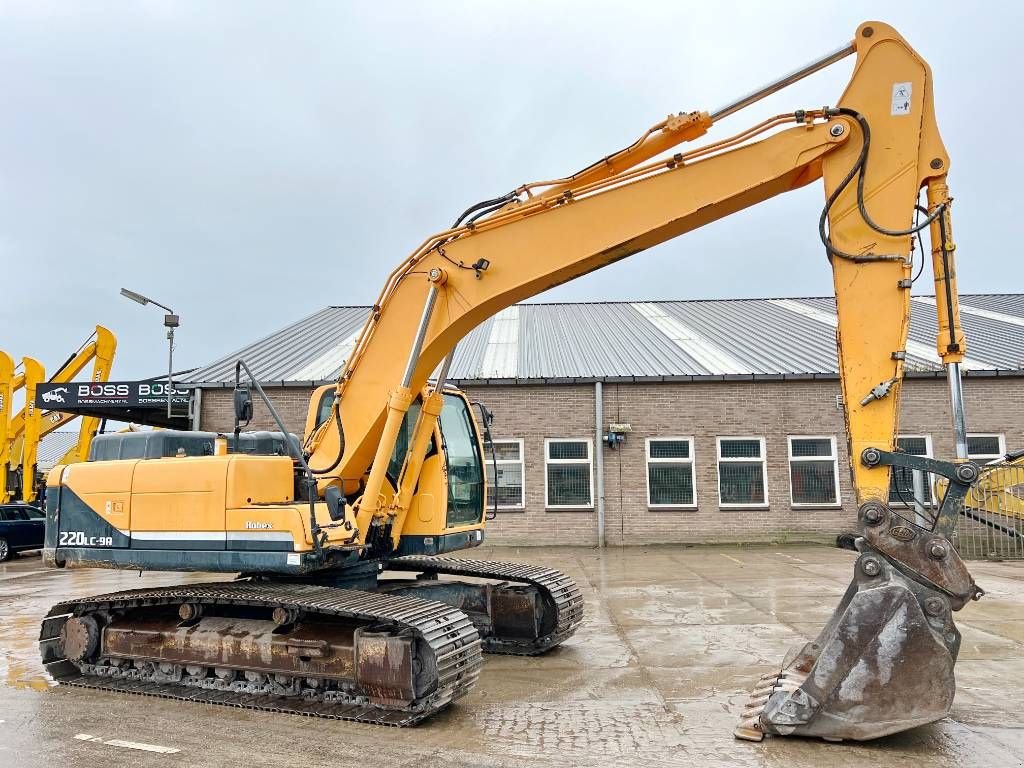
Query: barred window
(742, 472)
(985, 448)
(569, 475)
(508, 487)
(813, 472)
(670, 473)
(901, 479)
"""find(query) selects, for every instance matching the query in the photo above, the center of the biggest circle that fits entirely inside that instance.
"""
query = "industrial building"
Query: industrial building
(667, 421)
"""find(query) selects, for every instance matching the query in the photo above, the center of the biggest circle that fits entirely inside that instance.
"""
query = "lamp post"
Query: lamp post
(171, 321)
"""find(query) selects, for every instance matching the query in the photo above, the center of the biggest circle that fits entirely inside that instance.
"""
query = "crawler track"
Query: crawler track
(448, 632)
(558, 589)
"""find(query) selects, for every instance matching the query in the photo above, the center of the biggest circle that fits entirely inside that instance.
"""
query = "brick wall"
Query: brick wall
(218, 409)
(702, 410)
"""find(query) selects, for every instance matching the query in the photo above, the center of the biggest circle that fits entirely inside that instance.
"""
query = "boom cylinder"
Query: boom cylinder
(417, 453)
(786, 80)
(398, 406)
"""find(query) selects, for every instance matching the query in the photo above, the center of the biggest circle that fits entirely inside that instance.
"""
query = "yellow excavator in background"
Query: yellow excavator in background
(390, 473)
(21, 432)
(1000, 489)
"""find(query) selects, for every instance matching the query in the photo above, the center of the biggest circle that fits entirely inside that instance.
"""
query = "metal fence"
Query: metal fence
(992, 524)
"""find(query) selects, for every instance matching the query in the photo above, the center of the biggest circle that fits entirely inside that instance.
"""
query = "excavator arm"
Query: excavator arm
(885, 661)
(101, 351)
(22, 431)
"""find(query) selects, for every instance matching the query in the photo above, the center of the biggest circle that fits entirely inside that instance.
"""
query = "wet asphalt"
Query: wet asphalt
(673, 639)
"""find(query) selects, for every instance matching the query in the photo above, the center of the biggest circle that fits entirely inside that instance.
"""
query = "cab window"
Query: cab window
(134, 446)
(323, 410)
(465, 468)
(402, 443)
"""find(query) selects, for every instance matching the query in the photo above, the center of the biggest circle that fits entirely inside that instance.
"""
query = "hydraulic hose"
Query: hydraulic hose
(859, 170)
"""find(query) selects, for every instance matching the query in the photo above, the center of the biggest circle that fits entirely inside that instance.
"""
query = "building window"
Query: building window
(569, 475)
(901, 479)
(742, 472)
(986, 448)
(813, 472)
(507, 489)
(670, 473)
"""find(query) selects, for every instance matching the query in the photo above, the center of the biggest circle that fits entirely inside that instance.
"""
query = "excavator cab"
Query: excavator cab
(456, 436)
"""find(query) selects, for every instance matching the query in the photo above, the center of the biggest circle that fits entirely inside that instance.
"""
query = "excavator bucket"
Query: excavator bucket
(882, 664)
(884, 661)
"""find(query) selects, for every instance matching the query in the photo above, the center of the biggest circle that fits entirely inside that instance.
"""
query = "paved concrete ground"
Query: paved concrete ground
(673, 639)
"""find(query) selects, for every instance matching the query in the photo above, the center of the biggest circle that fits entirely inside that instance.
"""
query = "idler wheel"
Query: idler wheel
(80, 637)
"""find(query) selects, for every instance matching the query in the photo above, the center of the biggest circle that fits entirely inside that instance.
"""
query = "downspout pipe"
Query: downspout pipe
(599, 459)
(197, 408)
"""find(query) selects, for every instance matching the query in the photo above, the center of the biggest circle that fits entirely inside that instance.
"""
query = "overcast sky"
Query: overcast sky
(250, 162)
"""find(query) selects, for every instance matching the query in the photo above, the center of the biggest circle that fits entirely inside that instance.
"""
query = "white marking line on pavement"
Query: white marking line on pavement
(126, 744)
(790, 557)
(730, 557)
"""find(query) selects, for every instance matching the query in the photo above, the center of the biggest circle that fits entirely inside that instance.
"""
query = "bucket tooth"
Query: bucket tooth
(749, 729)
(882, 664)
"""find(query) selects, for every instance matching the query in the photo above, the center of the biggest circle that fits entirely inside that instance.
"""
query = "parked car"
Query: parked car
(22, 527)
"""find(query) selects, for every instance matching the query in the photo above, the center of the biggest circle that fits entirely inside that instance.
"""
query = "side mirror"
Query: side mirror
(335, 503)
(243, 405)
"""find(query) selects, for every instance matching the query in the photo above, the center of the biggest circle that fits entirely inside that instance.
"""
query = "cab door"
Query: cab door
(464, 462)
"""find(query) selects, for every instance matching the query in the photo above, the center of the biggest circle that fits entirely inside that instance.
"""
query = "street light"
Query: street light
(171, 321)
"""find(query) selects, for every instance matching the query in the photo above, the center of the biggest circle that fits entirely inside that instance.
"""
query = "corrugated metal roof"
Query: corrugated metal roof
(53, 447)
(306, 350)
(647, 340)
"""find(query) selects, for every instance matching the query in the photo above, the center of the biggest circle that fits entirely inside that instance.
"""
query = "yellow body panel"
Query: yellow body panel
(105, 486)
(293, 519)
(186, 494)
(218, 494)
(258, 480)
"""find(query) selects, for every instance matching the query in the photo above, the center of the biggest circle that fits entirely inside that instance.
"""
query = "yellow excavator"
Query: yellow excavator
(340, 609)
(21, 432)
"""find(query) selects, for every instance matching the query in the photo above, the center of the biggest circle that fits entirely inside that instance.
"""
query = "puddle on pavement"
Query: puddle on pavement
(24, 676)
